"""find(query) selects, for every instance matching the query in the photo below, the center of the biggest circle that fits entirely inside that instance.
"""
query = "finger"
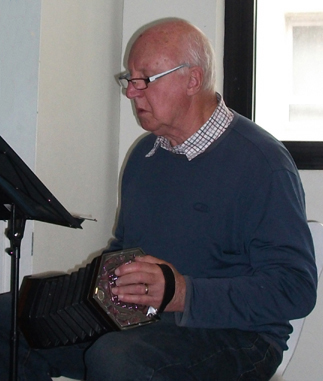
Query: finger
(143, 300)
(135, 278)
(134, 289)
(128, 268)
(148, 259)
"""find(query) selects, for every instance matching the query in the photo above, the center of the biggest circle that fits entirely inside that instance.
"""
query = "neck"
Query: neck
(196, 116)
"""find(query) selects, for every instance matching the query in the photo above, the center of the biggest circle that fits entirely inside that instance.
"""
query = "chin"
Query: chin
(149, 127)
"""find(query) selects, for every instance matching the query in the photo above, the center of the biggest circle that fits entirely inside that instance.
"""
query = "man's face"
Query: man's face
(160, 108)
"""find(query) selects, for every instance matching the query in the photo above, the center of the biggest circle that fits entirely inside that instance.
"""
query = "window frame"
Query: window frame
(239, 75)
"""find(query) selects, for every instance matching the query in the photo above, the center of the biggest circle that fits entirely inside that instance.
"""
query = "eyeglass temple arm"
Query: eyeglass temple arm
(154, 77)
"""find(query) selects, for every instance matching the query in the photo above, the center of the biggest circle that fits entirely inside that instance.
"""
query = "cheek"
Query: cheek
(165, 105)
(158, 105)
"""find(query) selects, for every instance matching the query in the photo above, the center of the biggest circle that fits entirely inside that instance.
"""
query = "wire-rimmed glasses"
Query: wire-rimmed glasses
(142, 83)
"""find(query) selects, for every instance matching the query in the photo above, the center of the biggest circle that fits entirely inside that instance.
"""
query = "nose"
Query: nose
(132, 92)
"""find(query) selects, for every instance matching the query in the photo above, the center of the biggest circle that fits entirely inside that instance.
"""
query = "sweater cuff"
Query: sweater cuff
(181, 318)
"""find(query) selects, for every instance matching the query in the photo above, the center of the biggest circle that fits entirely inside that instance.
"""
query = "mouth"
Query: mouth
(140, 111)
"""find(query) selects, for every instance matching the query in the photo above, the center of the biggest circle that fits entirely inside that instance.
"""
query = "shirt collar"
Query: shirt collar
(201, 139)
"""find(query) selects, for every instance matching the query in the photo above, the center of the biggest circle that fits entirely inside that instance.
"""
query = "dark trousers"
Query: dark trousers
(160, 351)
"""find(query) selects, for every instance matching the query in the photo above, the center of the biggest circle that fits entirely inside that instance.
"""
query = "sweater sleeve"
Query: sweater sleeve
(282, 283)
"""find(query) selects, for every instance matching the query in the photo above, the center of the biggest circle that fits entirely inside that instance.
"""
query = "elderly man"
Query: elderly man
(219, 203)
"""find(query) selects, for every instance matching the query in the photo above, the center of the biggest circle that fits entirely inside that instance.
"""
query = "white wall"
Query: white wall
(59, 110)
(78, 125)
(313, 186)
(19, 47)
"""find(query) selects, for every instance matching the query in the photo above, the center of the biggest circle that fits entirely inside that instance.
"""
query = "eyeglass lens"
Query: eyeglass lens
(138, 84)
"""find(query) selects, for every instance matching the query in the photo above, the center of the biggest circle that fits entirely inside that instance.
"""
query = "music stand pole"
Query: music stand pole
(15, 234)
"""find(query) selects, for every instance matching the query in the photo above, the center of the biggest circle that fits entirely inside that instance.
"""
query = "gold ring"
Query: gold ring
(146, 288)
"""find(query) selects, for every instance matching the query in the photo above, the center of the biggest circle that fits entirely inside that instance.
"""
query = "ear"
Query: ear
(195, 80)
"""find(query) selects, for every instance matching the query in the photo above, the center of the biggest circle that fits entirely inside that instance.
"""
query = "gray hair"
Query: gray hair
(199, 52)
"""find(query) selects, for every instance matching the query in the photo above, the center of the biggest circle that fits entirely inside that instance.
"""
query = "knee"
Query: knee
(97, 357)
(112, 358)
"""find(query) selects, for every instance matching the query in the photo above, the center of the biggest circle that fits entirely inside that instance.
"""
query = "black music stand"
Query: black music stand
(24, 197)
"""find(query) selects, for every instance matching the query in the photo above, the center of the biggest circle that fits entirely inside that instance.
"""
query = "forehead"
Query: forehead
(152, 50)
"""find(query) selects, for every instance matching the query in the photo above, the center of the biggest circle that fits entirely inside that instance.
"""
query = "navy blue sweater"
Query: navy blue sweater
(232, 221)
